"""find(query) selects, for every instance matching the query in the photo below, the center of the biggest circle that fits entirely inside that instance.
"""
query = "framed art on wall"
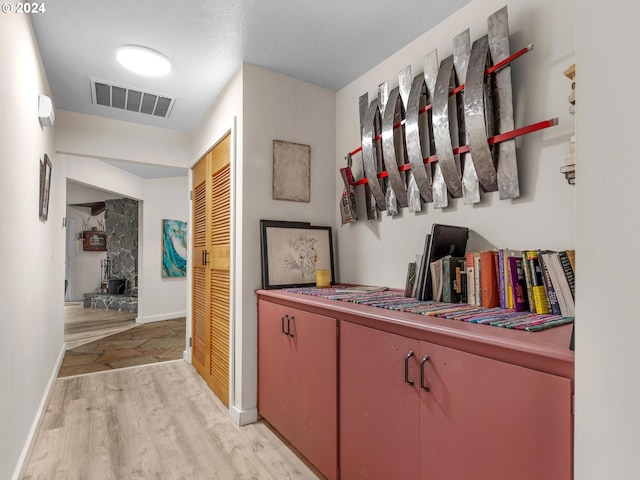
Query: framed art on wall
(94, 241)
(291, 252)
(174, 248)
(291, 171)
(45, 187)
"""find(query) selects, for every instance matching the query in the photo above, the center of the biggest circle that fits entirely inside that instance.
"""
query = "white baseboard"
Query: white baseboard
(160, 318)
(243, 417)
(186, 356)
(26, 450)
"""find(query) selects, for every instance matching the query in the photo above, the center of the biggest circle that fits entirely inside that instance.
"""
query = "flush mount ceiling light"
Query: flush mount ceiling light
(143, 61)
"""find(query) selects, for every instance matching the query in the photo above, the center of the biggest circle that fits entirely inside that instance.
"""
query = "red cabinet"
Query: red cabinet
(297, 380)
(379, 428)
(420, 398)
(413, 409)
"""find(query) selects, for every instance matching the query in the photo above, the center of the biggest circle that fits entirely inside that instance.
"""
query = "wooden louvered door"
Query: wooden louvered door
(211, 267)
(200, 299)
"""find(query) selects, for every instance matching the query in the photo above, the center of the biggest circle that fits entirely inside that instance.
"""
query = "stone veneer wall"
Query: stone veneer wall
(120, 303)
(121, 226)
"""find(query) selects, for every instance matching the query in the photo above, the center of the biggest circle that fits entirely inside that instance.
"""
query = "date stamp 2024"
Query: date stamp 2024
(28, 7)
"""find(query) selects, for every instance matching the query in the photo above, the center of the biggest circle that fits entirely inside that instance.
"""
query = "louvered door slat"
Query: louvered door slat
(221, 201)
(220, 332)
(200, 215)
(199, 316)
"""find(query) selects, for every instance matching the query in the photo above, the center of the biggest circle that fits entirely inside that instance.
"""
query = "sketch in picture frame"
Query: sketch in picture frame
(45, 187)
(291, 251)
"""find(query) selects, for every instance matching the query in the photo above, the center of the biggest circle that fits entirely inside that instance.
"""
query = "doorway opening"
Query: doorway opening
(101, 263)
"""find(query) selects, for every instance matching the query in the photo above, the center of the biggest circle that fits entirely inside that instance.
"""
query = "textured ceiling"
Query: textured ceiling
(328, 43)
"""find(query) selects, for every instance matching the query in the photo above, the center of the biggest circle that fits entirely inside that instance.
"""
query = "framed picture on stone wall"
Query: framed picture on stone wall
(94, 241)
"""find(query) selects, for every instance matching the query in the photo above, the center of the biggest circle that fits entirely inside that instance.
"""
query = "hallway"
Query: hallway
(156, 421)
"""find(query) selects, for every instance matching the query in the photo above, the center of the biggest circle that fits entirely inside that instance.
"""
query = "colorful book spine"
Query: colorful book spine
(527, 279)
(471, 284)
(450, 279)
(447, 279)
(518, 284)
(552, 298)
(489, 279)
(571, 254)
(477, 269)
(501, 279)
(460, 284)
(568, 271)
(560, 284)
(508, 252)
(539, 293)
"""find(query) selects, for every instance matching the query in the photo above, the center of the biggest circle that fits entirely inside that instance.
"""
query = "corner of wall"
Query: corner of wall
(243, 417)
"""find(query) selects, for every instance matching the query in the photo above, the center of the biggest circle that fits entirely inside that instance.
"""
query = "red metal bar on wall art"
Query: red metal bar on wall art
(503, 137)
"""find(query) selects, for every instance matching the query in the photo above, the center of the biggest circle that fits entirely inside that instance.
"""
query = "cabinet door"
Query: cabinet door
(298, 381)
(379, 429)
(485, 419)
(274, 368)
(314, 388)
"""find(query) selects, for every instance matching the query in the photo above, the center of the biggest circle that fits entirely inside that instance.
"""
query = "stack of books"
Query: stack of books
(443, 253)
(538, 281)
(535, 281)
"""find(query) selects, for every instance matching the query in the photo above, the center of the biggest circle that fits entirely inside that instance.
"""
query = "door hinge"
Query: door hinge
(190, 194)
(190, 342)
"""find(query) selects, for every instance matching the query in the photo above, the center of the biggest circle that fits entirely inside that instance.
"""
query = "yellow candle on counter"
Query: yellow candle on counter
(323, 278)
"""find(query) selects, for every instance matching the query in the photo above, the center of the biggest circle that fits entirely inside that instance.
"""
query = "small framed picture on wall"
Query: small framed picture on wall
(45, 187)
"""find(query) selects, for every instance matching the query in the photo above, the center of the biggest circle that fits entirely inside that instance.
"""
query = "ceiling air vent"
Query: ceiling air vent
(129, 98)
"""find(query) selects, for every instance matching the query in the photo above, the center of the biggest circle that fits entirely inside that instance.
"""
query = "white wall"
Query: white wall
(278, 108)
(218, 120)
(607, 427)
(377, 252)
(90, 136)
(160, 298)
(31, 252)
(88, 269)
(101, 175)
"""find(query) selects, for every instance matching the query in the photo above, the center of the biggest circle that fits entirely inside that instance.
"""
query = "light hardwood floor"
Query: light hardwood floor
(159, 421)
(84, 325)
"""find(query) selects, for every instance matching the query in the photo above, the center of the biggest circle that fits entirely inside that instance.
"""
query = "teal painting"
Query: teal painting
(174, 248)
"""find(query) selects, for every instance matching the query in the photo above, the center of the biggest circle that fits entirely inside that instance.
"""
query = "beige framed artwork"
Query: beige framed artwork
(291, 171)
